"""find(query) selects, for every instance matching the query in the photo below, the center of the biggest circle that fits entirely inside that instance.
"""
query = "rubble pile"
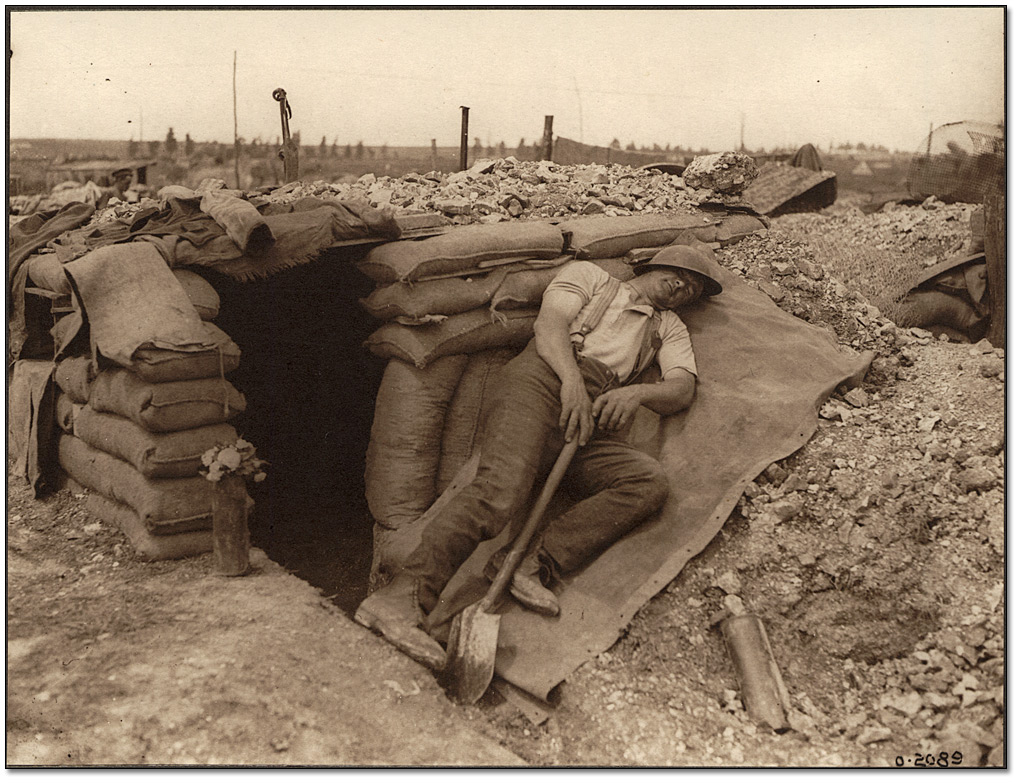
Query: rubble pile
(925, 234)
(508, 189)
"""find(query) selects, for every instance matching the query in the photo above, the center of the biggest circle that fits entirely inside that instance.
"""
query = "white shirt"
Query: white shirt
(617, 339)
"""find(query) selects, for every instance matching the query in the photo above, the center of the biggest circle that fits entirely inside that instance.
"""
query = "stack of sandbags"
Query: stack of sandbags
(133, 436)
(456, 308)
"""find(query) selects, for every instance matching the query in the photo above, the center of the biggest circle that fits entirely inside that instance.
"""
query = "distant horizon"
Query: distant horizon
(711, 78)
(510, 147)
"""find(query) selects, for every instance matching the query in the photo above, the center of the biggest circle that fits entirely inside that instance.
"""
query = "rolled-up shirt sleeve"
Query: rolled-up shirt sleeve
(580, 278)
(676, 350)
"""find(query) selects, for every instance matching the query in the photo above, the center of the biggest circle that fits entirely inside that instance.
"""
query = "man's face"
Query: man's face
(671, 288)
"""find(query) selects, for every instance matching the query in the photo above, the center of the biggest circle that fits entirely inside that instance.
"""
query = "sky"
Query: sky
(707, 78)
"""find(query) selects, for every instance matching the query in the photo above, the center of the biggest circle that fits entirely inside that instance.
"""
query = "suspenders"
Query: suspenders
(651, 341)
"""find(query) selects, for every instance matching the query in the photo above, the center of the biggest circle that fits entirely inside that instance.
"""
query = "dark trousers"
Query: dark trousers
(520, 441)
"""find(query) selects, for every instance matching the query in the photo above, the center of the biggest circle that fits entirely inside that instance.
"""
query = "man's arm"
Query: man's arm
(616, 409)
(553, 343)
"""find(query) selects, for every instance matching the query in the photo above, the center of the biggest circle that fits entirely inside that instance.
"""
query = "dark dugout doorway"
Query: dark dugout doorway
(310, 387)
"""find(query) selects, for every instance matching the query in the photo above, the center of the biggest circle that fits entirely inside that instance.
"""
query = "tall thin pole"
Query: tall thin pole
(234, 88)
(464, 139)
(548, 137)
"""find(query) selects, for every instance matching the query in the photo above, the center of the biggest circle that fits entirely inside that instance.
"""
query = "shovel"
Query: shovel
(472, 641)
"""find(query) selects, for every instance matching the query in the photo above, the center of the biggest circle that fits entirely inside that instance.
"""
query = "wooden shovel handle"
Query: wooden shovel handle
(524, 539)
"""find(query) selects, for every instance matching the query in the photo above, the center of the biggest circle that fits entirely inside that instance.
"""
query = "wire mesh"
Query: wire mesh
(958, 162)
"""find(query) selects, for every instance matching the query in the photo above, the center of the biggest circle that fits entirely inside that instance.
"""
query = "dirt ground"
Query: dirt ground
(874, 556)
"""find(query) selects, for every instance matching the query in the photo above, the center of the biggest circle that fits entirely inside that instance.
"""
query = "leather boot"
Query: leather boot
(527, 586)
(394, 612)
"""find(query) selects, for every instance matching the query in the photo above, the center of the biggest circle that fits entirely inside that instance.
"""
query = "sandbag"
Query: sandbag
(74, 376)
(464, 333)
(164, 506)
(605, 237)
(460, 250)
(131, 299)
(46, 272)
(525, 289)
(931, 308)
(404, 443)
(166, 407)
(464, 414)
(201, 294)
(447, 297)
(67, 412)
(154, 455)
(147, 546)
(158, 365)
(733, 228)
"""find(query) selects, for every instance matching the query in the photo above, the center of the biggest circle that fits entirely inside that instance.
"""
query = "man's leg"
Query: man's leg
(623, 485)
(519, 436)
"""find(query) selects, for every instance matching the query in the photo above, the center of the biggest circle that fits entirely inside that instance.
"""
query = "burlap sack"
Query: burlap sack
(604, 237)
(733, 228)
(201, 294)
(525, 289)
(460, 250)
(464, 414)
(166, 407)
(158, 365)
(465, 333)
(147, 546)
(154, 455)
(404, 445)
(74, 376)
(447, 297)
(67, 412)
(46, 272)
(164, 506)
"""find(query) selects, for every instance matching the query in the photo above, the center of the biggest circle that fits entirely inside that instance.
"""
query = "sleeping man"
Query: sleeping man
(577, 378)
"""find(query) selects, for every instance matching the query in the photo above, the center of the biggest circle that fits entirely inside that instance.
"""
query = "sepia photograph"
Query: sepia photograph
(506, 388)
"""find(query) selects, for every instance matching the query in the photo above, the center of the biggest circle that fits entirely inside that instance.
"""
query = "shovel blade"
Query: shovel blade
(472, 652)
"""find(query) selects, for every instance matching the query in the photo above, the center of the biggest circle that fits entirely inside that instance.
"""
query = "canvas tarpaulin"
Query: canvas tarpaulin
(763, 376)
(131, 300)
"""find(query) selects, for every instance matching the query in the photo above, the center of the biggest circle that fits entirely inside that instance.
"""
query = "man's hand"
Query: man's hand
(576, 410)
(616, 409)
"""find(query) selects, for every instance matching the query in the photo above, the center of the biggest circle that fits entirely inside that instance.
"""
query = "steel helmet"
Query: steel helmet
(688, 258)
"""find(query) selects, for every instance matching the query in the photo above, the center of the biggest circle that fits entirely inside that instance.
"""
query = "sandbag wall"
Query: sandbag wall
(133, 435)
(456, 308)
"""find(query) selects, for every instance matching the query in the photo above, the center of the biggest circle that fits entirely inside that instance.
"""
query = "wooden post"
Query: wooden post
(237, 147)
(548, 138)
(432, 154)
(464, 138)
(997, 266)
(230, 526)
